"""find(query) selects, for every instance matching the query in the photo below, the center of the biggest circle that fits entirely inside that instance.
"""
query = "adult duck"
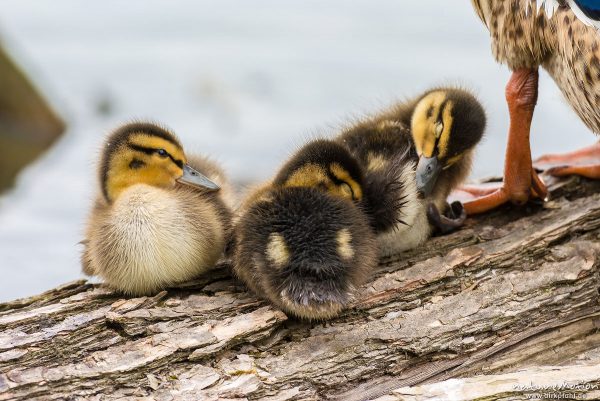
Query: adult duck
(562, 37)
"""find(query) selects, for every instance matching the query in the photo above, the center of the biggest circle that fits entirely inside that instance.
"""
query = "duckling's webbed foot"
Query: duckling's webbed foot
(453, 218)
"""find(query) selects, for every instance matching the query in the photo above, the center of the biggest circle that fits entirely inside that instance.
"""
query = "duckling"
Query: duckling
(562, 37)
(414, 154)
(302, 241)
(159, 219)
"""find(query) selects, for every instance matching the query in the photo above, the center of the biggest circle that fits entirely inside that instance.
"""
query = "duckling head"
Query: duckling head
(324, 165)
(446, 125)
(145, 153)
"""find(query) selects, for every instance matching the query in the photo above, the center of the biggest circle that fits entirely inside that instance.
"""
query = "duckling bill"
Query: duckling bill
(303, 242)
(160, 218)
(415, 153)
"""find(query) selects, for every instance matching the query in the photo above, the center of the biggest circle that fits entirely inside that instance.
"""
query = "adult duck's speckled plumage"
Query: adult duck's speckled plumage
(525, 35)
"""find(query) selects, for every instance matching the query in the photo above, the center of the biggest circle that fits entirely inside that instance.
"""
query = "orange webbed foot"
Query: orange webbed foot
(484, 197)
(584, 162)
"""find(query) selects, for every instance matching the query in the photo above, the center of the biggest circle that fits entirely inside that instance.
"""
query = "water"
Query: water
(246, 82)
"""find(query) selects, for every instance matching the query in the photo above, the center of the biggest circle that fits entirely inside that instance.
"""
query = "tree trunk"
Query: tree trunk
(515, 289)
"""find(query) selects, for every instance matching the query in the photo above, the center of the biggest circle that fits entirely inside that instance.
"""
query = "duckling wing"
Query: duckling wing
(388, 190)
(215, 173)
(86, 260)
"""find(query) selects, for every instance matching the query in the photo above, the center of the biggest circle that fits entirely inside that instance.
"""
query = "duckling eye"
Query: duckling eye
(439, 127)
(162, 153)
(347, 189)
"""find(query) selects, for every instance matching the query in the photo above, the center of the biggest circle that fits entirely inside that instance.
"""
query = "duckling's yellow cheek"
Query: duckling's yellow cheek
(344, 244)
(158, 175)
(428, 149)
(277, 250)
(424, 138)
(355, 190)
(174, 171)
(424, 124)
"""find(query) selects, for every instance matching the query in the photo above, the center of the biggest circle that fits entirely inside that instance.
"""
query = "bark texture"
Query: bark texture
(515, 289)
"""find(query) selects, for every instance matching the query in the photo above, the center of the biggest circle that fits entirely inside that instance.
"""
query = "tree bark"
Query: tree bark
(514, 289)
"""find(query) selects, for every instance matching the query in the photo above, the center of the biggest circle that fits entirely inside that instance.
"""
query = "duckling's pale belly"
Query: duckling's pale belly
(152, 238)
(415, 228)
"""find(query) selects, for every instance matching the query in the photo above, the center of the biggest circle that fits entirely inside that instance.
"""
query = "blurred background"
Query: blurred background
(245, 82)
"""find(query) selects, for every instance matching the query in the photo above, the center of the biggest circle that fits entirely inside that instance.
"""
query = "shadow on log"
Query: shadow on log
(28, 125)
(515, 289)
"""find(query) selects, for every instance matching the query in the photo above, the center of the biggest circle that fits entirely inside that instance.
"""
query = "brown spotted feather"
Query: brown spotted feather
(525, 37)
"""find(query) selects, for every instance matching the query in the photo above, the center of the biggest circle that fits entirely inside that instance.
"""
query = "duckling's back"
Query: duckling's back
(304, 250)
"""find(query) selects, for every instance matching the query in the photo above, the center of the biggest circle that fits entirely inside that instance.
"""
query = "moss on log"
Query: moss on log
(515, 289)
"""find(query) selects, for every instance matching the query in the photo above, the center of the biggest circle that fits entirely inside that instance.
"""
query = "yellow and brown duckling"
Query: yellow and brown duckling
(415, 154)
(302, 241)
(160, 218)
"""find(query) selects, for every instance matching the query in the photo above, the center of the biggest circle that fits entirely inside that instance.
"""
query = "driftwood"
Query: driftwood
(28, 124)
(515, 289)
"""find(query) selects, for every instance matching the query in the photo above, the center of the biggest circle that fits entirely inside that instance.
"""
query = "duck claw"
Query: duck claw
(453, 218)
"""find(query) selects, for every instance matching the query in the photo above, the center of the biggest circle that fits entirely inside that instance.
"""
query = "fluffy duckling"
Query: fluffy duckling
(303, 242)
(159, 219)
(415, 154)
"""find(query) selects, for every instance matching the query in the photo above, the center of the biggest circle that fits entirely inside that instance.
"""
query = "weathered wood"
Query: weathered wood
(514, 289)
(555, 382)
(28, 124)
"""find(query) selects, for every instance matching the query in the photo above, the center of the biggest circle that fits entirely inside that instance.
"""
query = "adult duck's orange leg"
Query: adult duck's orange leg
(584, 162)
(520, 179)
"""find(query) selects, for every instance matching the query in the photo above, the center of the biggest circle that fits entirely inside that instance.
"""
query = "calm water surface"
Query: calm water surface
(245, 82)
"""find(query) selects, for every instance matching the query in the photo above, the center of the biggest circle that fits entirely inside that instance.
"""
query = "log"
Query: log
(554, 382)
(515, 289)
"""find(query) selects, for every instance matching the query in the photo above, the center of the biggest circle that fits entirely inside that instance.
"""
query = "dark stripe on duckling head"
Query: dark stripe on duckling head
(383, 140)
(136, 164)
(430, 111)
(123, 133)
(344, 182)
(468, 124)
(150, 151)
(323, 153)
(440, 120)
(120, 137)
